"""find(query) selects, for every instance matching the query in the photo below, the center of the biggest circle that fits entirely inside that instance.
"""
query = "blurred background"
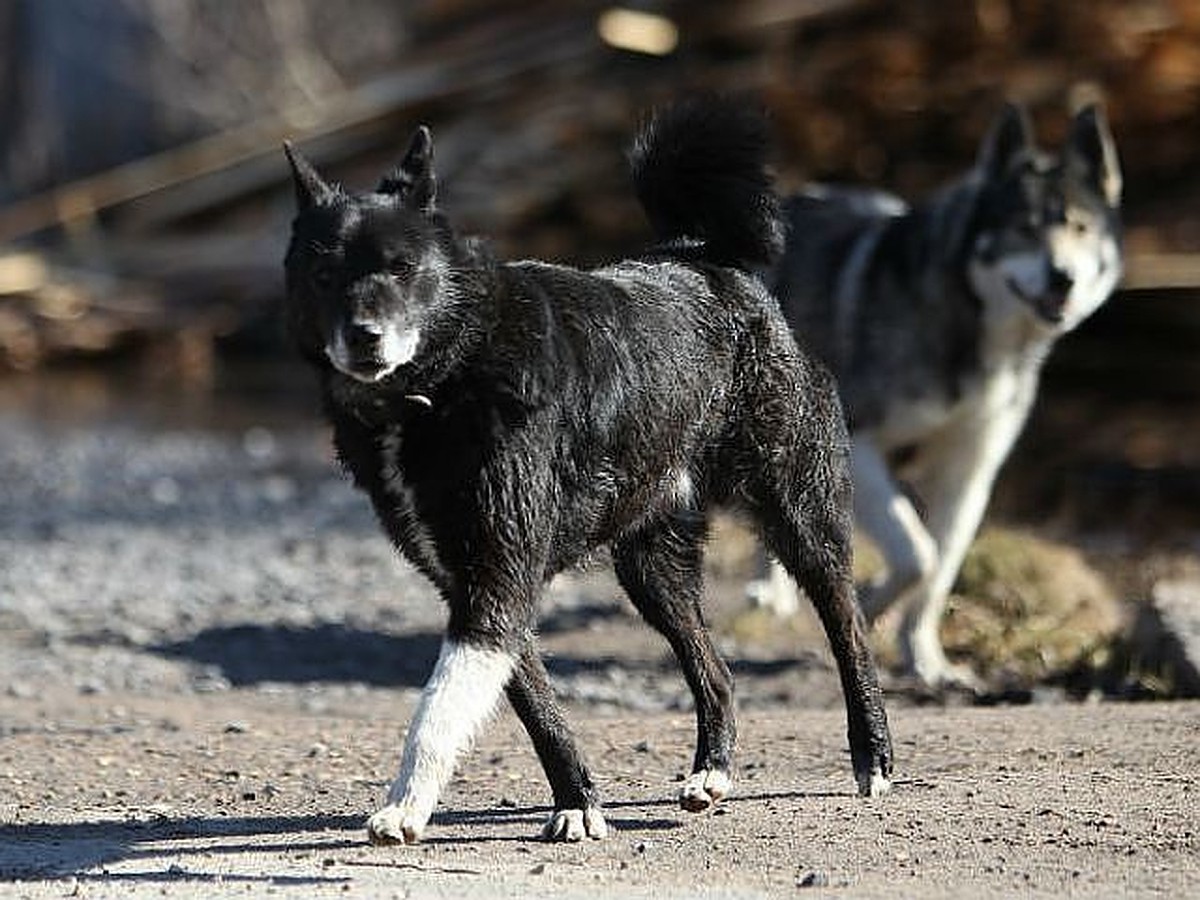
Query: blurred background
(144, 207)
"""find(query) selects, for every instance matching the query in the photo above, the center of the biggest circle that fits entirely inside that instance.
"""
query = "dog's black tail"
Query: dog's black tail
(700, 171)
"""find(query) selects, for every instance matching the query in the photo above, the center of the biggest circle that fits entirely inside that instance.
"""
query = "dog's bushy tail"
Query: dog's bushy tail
(700, 170)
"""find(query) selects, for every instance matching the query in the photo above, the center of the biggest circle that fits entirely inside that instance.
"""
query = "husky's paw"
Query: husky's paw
(873, 783)
(776, 593)
(946, 676)
(396, 823)
(703, 789)
(571, 825)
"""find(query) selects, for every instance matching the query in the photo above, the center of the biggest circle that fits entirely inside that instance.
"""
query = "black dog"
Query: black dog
(508, 418)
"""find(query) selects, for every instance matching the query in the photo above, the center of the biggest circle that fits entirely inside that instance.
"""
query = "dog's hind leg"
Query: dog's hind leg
(576, 809)
(812, 539)
(660, 568)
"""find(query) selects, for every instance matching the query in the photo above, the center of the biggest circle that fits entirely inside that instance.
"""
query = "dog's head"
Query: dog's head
(368, 273)
(1046, 233)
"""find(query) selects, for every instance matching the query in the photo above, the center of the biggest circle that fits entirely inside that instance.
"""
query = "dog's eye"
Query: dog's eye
(323, 277)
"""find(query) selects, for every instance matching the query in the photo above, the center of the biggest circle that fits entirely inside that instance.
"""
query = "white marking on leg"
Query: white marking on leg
(460, 696)
(875, 784)
(704, 788)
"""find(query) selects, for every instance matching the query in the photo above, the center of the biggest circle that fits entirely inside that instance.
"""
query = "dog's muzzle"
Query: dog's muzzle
(369, 353)
(357, 350)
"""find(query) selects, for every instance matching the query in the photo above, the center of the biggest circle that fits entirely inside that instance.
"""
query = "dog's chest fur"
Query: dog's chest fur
(416, 463)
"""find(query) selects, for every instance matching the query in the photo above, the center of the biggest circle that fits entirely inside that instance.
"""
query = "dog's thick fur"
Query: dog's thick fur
(506, 419)
(936, 321)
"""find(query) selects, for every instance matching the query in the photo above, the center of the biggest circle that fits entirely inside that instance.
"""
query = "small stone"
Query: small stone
(236, 728)
(813, 880)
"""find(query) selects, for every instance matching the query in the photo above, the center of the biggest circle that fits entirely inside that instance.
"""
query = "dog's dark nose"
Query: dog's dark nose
(1061, 281)
(361, 340)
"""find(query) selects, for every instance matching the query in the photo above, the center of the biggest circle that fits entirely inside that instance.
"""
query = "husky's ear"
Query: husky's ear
(311, 189)
(1092, 154)
(1009, 137)
(413, 180)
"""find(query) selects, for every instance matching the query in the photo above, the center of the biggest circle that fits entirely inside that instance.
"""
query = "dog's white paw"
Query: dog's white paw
(704, 788)
(396, 823)
(571, 825)
(874, 784)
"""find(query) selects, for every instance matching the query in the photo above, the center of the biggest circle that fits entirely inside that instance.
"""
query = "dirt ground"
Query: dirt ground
(134, 795)
(208, 656)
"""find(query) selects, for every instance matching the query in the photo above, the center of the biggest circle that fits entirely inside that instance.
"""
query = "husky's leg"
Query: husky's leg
(576, 810)
(660, 569)
(466, 684)
(957, 487)
(889, 519)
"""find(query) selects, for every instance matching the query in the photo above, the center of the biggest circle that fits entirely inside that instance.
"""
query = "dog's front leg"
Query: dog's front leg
(458, 699)
(576, 805)
(888, 518)
(957, 487)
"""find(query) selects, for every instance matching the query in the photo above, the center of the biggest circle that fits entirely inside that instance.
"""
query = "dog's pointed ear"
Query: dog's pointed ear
(311, 189)
(1092, 154)
(1010, 136)
(413, 180)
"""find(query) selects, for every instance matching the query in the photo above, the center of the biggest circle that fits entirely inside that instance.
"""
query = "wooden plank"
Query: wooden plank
(1162, 271)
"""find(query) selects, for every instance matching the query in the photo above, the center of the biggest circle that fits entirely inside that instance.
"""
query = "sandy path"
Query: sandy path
(225, 795)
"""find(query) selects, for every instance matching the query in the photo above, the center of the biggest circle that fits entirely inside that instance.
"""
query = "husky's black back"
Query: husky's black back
(506, 419)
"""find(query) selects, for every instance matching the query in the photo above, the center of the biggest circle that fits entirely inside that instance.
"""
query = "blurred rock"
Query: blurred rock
(1026, 609)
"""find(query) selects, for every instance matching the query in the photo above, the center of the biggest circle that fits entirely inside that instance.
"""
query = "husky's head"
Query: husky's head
(1046, 230)
(368, 273)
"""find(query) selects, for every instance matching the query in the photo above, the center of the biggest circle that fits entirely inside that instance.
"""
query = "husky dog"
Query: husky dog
(506, 419)
(936, 321)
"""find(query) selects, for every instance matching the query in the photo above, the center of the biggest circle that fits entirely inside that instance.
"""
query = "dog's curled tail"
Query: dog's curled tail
(700, 170)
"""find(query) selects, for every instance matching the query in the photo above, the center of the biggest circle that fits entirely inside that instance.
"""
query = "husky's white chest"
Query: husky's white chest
(991, 404)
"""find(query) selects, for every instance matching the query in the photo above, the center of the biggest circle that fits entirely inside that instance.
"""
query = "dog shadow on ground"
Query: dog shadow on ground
(326, 653)
(43, 851)
(83, 851)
